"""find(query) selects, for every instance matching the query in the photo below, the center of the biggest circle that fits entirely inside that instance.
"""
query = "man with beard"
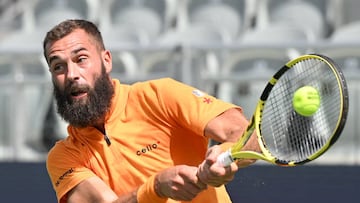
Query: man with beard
(145, 142)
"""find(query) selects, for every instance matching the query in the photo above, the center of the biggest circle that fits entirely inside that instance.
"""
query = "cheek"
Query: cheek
(88, 76)
(59, 82)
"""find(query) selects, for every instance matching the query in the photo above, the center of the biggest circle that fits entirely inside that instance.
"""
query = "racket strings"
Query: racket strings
(289, 136)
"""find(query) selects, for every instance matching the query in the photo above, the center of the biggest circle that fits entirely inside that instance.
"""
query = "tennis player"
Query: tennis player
(145, 142)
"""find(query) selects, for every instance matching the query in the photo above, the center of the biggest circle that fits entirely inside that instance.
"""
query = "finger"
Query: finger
(212, 154)
(228, 172)
(185, 191)
(183, 195)
(242, 163)
(221, 175)
(219, 170)
(199, 182)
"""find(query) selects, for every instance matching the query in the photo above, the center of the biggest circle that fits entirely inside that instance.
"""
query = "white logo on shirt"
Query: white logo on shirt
(198, 93)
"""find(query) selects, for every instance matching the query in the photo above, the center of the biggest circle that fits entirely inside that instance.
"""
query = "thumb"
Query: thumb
(212, 154)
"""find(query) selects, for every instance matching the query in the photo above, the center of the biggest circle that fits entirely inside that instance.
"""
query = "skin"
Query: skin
(76, 58)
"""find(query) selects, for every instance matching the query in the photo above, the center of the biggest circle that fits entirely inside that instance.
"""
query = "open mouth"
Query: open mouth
(77, 92)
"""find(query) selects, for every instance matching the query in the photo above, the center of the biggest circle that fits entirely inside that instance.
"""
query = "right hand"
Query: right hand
(179, 183)
(212, 173)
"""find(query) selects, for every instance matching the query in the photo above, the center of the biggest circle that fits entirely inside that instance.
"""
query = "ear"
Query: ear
(107, 60)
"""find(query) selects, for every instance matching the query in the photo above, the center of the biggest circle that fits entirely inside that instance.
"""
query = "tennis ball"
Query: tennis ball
(306, 101)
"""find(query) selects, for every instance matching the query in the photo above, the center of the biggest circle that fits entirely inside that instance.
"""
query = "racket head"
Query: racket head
(288, 138)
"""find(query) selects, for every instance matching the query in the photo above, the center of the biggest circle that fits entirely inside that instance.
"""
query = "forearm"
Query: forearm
(145, 193)
(128, 198)
(227, 127)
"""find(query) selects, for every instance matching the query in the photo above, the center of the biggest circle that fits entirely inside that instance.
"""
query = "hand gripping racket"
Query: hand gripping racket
(286, 137)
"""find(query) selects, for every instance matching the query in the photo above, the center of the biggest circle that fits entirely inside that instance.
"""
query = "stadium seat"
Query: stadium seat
(128, 27)
(32, 94)
(27, 94)
(199, 24)
(200, 28)
(131, 23)
(276, 34)
(342, 13)
(261, 52)
(49, 13)
(343, 47)
(6, 101)
(348, 33)
(142, 21)
(41, 16)
(245, 72)
(299, 13)
(125, 66)
(143, 64)
(228, 25)
(48, 19)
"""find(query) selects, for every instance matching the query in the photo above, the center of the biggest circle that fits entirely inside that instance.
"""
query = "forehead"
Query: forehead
(75, 40)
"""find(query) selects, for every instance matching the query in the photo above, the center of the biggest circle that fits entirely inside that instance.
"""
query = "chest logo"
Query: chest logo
(148, 148)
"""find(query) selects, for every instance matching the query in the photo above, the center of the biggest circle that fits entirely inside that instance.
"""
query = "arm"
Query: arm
(178, 183)
(227, 127)
(95, 190)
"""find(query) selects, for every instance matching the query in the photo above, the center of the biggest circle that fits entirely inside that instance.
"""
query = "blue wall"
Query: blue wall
(301, 184)
(28, 182)
(25, 182)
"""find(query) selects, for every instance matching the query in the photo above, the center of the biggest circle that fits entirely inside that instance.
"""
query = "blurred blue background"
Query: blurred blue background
(228, 48)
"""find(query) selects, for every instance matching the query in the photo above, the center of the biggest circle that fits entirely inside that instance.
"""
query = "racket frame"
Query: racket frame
(235, 153)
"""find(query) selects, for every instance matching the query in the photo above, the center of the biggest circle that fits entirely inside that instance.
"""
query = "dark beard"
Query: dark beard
(82, 113)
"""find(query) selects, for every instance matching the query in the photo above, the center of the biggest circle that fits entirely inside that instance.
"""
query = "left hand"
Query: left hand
(213, 174)
(179, 183)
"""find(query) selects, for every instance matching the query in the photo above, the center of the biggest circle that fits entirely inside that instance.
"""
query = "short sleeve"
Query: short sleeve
(186, 105)
(65, 169)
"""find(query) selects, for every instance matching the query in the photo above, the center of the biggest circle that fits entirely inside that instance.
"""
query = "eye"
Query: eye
(58, 68)
(82, 59)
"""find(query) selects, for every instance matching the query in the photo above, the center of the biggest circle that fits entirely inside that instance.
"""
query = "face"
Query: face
(80, 74)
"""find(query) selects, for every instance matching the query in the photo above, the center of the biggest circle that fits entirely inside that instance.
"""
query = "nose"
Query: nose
(73, 71)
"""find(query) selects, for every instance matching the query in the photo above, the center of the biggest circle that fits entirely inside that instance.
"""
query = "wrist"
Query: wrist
(226, 145)
(150, 192)
(157, 188)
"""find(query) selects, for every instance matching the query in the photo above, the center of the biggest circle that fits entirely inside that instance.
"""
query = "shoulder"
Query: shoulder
(158, 83)
(65, 167)
(63, 152)
(56, 151)
(161, 86)
(154, 88)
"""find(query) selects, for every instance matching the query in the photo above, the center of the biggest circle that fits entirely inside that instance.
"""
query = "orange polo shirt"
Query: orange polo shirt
(152, 125)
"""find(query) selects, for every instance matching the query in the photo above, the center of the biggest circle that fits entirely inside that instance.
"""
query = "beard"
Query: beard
(89, 110)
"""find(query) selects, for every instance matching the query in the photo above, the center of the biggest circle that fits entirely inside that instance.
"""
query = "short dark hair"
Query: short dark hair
(66, 27)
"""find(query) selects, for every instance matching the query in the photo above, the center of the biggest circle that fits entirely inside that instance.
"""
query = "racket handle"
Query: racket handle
(225, 158)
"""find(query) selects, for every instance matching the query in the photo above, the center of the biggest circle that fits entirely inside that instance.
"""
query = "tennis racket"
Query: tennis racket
(286, 137)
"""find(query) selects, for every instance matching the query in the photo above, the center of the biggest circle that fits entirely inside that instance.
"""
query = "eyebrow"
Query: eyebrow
(52, 58)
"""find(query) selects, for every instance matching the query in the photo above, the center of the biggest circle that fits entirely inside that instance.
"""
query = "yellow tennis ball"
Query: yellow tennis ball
(306, 101)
